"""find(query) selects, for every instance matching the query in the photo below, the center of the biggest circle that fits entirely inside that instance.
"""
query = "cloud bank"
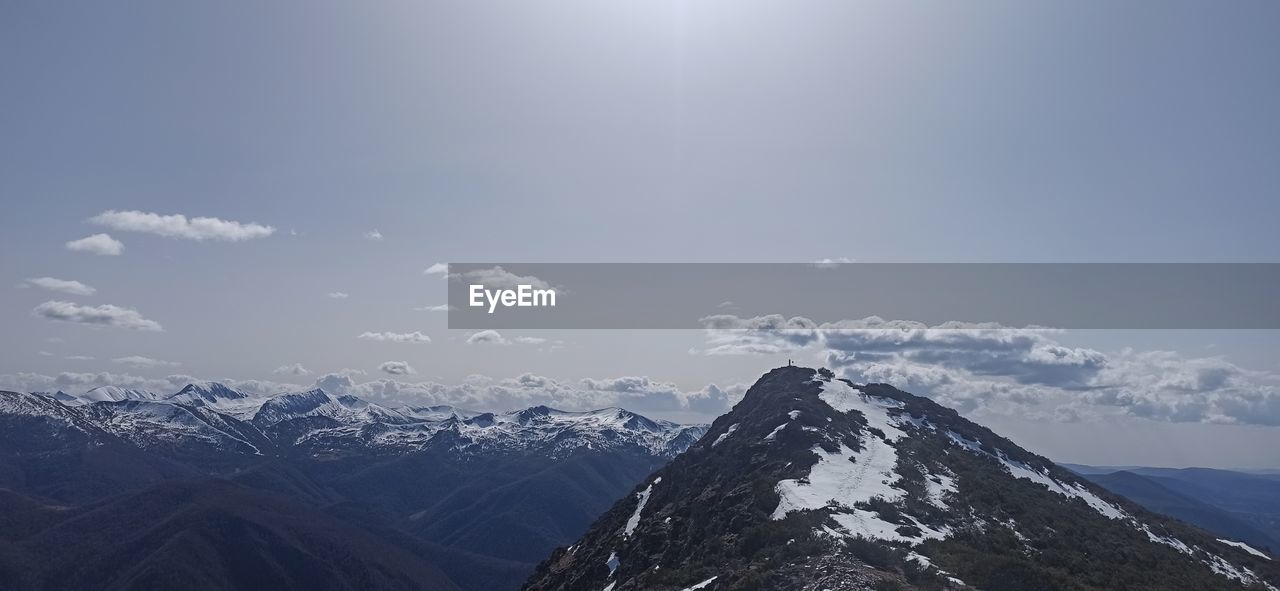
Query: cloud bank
(985, 366)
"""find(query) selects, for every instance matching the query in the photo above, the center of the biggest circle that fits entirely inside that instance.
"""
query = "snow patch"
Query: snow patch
(725, 435)
(938, 486)
(845, 478)
(642, 499)
(1021, 470)
(612, 563)
(774, 433)
(1246, 548)
(702, 585)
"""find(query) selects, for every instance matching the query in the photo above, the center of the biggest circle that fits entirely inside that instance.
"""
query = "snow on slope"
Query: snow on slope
(847, 477)
(642, 498)
(112, 394)
(1246, 548)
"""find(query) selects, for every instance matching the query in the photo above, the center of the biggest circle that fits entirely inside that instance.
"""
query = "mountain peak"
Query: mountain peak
(206, 392)
(815, 482)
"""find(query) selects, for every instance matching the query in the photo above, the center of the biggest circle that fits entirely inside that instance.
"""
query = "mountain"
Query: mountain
(1235, 505)
(113, 394)
(484, 495)
(814, 483)
(205, 534)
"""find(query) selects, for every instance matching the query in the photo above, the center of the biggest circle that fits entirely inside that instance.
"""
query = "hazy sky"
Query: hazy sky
(353, 145)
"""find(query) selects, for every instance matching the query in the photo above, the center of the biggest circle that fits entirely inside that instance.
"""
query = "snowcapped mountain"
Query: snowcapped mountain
(222, 419)
(815, 483)
(484, 496)
(111, 394)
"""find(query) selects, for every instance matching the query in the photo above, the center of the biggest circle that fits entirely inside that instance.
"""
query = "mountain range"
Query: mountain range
(810, 483)
(405, 497)
(1238, 505)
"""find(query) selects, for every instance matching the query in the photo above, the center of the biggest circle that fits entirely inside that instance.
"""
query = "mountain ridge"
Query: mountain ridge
(816, 483)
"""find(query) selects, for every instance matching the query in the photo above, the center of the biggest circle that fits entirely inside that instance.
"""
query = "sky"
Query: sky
(274, 179)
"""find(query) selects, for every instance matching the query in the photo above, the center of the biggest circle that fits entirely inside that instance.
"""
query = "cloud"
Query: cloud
(99, 244)
(487, 337)
(437, 269)
(440, 308)
(140, 362)
(972, 366)
(499, 278)
(831, 263)
(104, 315)
(179, 226)
(373, 235)
(493, 337)
(80, 382)
(396, 337)
(637, 393)
(397, 368)
(62, 285)
(339, 295)
(335, 383)
(80, 358)
(761, 335)
(295, 369)
(641, 394)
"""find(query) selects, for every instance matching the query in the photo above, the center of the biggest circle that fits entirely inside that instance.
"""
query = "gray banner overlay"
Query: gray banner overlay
(684, 295)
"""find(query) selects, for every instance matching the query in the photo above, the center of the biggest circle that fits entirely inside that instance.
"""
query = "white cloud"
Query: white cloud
(831, 263)
(1017, 370)
(373, 235)
(99, 244)
(104, 315)
(62, 285)
(80, 382)
(638, 394)
(397, 368)
(499, 278)
(440, 308)
(487, 337)
(80, 358)
(339, 295)
(396, 337)
(179, 226)
(437, 269)
(295, 369)
(140, 362)
(493, 337)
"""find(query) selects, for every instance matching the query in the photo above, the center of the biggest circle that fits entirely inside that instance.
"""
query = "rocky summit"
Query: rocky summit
(816, 483)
